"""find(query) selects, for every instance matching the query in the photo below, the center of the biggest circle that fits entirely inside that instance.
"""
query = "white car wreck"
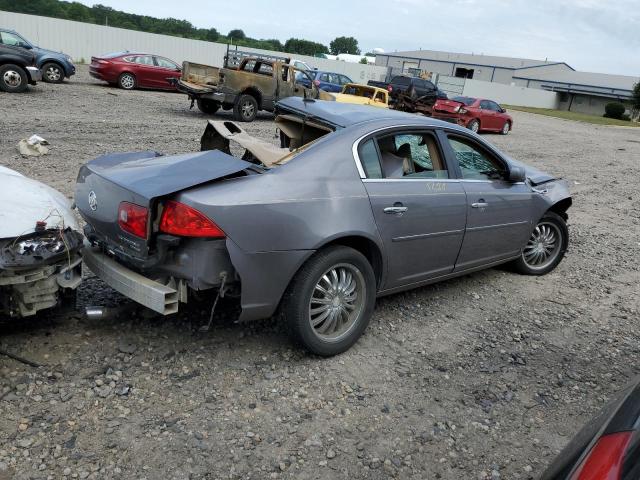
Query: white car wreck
(40, 240)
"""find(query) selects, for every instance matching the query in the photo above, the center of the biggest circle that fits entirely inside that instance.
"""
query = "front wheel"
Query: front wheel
(505, 128)
(13, 78)
(52, 73)
(330, 301)
(546, 246)
(245, 109)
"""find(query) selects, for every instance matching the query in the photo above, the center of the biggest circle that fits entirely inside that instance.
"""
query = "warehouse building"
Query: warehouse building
(583, 92)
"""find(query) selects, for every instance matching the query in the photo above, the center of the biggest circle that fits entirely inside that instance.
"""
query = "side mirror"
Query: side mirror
(503, 110)
(517, 174)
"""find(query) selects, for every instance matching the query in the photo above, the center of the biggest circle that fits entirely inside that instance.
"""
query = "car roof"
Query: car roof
(347, 114)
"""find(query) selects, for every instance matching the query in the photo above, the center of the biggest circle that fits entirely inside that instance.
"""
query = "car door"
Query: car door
(165, 69)
(499, 115)
(291, 86)
(487, 116)
(498, 211)
(419, 211)
(145, 71)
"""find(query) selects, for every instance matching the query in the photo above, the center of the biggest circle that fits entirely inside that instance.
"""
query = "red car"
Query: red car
(135, 70)
(474, 113)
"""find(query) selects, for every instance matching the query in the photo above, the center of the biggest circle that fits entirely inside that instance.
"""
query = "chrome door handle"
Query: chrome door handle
(479, 205)
(395, 209)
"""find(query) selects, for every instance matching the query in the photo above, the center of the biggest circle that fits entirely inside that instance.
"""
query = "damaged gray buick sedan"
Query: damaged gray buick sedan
(355, 203)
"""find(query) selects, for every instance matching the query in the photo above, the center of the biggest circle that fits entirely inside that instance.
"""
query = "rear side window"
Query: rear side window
(144, 60)
(369, 159)
(401, 80)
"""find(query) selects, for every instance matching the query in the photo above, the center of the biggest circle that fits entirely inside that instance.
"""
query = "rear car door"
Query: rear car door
(498, 211)
(420, 212)
(145, 71)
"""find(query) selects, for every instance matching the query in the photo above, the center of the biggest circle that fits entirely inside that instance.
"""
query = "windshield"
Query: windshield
(466, 100)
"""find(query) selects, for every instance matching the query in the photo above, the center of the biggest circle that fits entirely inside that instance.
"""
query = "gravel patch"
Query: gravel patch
(481, 377)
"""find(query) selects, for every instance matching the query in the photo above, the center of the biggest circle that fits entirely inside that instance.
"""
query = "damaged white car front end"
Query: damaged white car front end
(40, 241)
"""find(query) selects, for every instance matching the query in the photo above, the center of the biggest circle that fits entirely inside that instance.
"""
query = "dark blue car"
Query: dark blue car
(55, 66)
(327, 81)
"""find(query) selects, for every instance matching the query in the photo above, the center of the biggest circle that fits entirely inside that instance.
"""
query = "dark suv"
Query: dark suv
(55, 66)
(17, 69)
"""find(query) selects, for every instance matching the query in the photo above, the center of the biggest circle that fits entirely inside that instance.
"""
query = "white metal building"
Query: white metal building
(577, 91)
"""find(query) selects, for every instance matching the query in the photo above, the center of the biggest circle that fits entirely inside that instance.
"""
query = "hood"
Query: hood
(151, 175)
(26, 201)
(52, 53)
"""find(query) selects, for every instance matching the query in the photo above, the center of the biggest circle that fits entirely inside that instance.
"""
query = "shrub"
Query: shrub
(614, 110)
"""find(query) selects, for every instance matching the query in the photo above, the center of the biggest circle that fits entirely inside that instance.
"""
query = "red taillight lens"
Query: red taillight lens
(605, 459)
(133, 218)
(185, 221)
(390, 88)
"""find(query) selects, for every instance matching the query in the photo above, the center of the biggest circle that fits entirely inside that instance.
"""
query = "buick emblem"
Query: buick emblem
(93, 201)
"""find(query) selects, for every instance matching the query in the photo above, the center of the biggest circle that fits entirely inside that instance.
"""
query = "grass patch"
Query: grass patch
(578, 117)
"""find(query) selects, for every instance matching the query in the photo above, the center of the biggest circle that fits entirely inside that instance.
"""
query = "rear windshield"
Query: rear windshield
(466, 100)
(401, 80)
(113, 55)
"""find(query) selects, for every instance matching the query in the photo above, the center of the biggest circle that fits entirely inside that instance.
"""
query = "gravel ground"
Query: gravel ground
(482, 377)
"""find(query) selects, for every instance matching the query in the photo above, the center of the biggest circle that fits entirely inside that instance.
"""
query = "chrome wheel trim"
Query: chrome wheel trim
(505, 128)
(543, 246)
(127, 81)
(247, 109)
(337, 302)
(53, 73)
(12, 78)
(474, 126)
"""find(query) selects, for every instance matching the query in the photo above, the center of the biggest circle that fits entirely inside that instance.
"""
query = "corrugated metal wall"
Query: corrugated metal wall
(82, 40)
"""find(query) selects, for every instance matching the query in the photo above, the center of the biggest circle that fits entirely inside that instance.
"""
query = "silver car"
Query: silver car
(355, 203)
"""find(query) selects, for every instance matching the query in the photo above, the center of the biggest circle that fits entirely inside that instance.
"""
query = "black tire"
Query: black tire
(474, 125)
(13, 78)
(505, 128)
(558, 226)
(127, 81)
(245, 108)
(296, 303)
(207, 106)
(52, 72)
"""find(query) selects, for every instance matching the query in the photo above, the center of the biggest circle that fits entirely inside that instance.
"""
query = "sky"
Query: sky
(590, 35)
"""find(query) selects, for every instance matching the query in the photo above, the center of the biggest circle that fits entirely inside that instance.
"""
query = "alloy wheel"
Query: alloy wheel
(127, 81)
(337, 302)
(543, 246)
(53, 74)
(247, 109)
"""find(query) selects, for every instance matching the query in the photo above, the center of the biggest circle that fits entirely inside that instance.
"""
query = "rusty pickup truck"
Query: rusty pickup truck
(257, 84)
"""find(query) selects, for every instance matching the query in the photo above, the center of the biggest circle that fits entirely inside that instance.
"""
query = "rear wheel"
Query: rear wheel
(505, 128)
(52, 73)
(245, 108)
(13, 78)
(208, 106)
(330, 301)
(546, 246)
(127, 81)
(474, 126)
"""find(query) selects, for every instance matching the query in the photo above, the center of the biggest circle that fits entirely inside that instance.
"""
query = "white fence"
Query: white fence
(83, 40)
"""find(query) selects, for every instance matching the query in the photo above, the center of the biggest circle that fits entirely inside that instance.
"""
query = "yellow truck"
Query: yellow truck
(363, 95)
(256, 84)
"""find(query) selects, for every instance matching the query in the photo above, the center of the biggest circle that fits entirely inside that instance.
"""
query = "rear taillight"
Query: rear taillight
(604, 461)
(185, 221)
(389, 88)
(133, 219)
(316, 83)
(457, 109)
(463, 110)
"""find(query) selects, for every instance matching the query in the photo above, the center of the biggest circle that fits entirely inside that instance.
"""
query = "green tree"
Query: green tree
(304, 47)
(236, 34)
(635, 99)
(344, 45)
(364, 61)
(211, 34)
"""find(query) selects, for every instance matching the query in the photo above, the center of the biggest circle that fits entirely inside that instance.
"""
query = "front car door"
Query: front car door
(145, 71)
(165, 69)
(488, 116)
(419, 210)
(498, 211)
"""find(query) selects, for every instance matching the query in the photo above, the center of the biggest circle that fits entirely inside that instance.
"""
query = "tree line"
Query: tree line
(103, 15)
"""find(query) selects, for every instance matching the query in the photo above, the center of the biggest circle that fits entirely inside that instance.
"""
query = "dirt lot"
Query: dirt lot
(483, 377)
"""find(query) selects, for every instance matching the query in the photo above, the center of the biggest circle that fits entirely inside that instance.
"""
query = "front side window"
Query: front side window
(475, 162)
(485, 105)
(344, 80)
(411, 155)
(401, 80)
(164, 63)
(12, 39)
(144, 60)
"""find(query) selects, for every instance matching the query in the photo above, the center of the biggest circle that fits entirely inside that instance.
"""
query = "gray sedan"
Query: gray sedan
(355, 203)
